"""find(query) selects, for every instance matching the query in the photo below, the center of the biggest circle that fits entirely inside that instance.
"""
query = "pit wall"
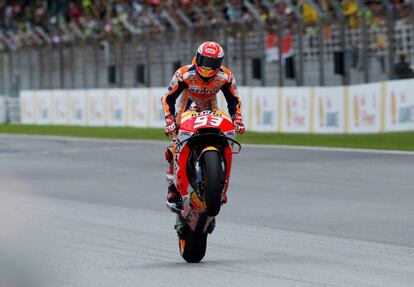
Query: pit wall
(368, 108)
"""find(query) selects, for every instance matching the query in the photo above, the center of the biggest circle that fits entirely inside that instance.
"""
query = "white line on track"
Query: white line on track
(159, 142)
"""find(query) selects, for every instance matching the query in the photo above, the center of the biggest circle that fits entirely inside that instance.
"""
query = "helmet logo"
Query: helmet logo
(211, 48)
(210, 51)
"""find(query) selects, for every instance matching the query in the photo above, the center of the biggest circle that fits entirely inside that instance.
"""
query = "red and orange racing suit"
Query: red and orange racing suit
(199, 94)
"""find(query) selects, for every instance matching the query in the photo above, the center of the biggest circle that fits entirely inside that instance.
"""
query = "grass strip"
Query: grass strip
(388, 141)
(90, 132)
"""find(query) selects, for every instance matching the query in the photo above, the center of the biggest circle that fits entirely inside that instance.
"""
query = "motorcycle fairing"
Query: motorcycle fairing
(192, 120)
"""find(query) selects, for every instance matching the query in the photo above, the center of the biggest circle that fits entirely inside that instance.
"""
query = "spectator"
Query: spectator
(402, 69)
(380, 45)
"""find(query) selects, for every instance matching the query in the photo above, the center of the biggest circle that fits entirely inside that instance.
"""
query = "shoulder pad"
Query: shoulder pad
(227, 71)
(224, 74)
(189, 73)
(181, 72)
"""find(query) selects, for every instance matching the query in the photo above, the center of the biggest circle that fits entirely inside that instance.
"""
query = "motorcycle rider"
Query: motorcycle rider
(199, 84)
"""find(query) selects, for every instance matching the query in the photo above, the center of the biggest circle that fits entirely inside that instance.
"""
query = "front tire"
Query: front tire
(192, 246)
(213, 182)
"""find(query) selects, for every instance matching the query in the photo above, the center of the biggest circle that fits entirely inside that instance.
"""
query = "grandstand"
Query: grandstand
(54, 44)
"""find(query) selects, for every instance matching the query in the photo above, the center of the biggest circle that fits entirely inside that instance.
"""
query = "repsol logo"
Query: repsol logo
(198, 90)
(206, 112)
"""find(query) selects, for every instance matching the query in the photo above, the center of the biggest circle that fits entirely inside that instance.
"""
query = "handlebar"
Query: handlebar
(178, 144)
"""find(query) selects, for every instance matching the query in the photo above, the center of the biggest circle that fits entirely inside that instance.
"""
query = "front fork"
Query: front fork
(191, 213)
(200, 181)
(199, 176)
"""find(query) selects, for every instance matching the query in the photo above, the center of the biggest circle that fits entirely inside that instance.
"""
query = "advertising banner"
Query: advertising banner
(399, 106)
(296, 110)
(137, 100)
(96, 111)
(59, 107)
(76, 107)
(42, 101)
(364, 106)
(157, 117)
(27, 107)
(246, 104)
(116, 107)
(265, 109)
(328, 112)
(367, 108)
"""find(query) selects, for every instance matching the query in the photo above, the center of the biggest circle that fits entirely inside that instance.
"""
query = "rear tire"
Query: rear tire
(213, 182)
(192, 246)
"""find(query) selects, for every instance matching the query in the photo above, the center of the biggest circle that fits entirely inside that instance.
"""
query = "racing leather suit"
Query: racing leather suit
(199, 94)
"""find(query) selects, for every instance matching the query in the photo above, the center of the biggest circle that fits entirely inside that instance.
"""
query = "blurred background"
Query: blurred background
(90, 212)
(58, 44)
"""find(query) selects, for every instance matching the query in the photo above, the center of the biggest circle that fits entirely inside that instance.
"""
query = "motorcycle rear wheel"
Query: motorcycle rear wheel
(213, 182)
(192, 246)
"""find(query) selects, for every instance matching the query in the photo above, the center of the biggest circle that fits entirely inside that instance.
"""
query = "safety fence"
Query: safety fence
(366, 108)
(150, 61)
(9, 110)
(2, 109)
(276, 43)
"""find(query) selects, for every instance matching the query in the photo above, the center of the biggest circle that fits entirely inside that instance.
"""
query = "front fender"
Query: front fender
(209, 148)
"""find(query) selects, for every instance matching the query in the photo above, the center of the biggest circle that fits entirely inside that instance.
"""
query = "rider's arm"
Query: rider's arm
(175, 88)
(229, 90)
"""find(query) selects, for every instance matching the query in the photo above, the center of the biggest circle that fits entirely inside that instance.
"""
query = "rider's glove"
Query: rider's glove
(238, 124)
(170, 126)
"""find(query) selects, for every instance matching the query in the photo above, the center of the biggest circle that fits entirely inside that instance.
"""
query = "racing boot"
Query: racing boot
(173, 196)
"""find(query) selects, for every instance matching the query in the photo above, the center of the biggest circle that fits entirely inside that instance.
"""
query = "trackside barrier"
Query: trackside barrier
(368, 108)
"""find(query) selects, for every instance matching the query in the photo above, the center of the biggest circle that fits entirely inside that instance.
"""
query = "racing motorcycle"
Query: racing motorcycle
(204, 146)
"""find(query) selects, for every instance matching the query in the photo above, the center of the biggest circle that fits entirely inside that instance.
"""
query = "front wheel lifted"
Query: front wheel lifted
(213, 182)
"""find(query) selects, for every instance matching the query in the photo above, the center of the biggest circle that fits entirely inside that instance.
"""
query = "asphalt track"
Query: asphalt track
(91, 213)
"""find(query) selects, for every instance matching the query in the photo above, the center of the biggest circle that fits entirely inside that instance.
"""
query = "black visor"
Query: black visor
(208, 62)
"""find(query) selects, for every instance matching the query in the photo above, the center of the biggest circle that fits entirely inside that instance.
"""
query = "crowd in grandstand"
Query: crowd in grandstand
(24, 14)
(100, 17)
